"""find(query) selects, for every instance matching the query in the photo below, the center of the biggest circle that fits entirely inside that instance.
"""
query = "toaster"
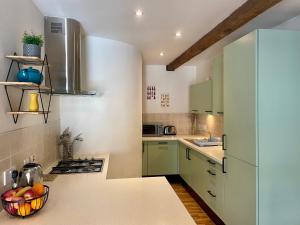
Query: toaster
(169, 130)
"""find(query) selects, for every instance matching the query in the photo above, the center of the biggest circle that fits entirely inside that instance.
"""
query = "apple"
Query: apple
(29, 194)
(9, 193)
(17, 200)
(11, 209)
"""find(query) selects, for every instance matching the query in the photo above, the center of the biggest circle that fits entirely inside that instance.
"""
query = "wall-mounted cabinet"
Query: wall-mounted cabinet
(217, 86)
(201, 97)
(207, 97)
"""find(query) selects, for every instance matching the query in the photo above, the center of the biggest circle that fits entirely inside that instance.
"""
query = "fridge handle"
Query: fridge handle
(223, 164)
(223, 142)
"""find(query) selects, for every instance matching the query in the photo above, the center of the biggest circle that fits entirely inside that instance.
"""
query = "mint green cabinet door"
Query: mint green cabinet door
(217, 86)
(201, 97)
(184, 169)
(198, 174)
(240, 193)
(144, 160)
(240, 99)
(162, 158)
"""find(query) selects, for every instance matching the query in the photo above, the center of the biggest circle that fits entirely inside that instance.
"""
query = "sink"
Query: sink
(206, 142)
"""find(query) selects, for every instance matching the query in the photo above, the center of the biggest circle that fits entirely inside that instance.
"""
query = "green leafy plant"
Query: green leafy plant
(33, 39)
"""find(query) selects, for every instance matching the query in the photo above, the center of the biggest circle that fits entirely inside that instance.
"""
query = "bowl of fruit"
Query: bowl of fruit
(25, 201)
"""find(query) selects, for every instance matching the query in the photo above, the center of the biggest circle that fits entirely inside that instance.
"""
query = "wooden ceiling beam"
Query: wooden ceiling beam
(248, 11)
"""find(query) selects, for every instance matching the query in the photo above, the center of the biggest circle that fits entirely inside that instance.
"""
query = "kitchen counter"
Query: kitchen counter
(91, 199)
(214, 152)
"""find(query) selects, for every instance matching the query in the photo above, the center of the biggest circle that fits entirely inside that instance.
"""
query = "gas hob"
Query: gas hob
(78, 166)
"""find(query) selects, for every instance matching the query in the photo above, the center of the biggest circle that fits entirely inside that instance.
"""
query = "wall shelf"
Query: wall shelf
(26, 60)
(28, 86)
(27, 113)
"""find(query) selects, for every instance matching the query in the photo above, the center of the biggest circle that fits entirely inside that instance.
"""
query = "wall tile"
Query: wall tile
(183, 122)
(18, 145)
(5, 146)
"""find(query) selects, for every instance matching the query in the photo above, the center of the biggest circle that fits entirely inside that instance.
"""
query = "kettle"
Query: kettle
(169, 130)
(32, 173)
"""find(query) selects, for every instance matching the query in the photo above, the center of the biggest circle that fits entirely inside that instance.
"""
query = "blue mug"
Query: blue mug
(30, 75)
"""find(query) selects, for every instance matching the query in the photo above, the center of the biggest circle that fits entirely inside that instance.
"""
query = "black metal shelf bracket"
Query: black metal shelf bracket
(45, 113)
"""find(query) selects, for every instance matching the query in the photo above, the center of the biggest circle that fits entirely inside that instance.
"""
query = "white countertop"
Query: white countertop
(91, 199)
(214, 152)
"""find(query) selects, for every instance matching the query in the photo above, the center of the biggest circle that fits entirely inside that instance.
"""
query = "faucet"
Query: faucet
(65, 141)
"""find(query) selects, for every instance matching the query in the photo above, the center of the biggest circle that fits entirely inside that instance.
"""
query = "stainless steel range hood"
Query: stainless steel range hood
(63, 49)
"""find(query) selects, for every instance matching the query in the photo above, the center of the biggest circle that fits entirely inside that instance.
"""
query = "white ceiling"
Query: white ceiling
(155, 30)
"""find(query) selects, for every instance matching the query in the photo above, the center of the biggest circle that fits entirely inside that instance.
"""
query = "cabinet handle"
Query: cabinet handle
(188, 153)
(223, 165)
(221, 113)
(211, 194)
(211, 162)
(208, 111)
(163, 143)
(211, 173)
(223, 142)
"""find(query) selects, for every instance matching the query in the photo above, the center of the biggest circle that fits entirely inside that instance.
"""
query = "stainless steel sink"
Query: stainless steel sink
(206, 142)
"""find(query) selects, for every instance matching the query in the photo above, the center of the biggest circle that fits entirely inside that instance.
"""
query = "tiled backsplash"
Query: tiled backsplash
(18, 145)
(183, 122)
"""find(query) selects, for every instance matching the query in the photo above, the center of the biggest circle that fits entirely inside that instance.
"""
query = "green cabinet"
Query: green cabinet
(204, 176)
(162, 158)
(145, 160)
(207, 97)
(261, 122)
(217, 85)
(201, 97)
(184, 165)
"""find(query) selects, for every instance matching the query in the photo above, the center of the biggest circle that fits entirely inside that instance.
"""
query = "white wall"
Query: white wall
(292, 24)
(16, 17)
(30, 135)
(176, 83)
(111, 121)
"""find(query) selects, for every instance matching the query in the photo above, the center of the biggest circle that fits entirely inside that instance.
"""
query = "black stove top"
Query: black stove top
(78, 166)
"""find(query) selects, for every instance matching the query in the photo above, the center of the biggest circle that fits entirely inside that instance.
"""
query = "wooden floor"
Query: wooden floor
(199, 216)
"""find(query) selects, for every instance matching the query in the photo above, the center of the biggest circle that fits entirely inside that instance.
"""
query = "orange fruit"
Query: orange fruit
(24, 209)
(37, 203)
(38, 189)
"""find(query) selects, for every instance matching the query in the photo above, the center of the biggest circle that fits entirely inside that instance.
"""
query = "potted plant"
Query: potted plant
(32, 44)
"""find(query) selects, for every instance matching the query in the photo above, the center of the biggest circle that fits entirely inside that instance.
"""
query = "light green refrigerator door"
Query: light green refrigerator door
(240, 99)
(162, 158)
(240, 193)
(279, 110)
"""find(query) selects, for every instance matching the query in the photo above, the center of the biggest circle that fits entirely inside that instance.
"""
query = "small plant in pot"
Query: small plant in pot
(32, 44)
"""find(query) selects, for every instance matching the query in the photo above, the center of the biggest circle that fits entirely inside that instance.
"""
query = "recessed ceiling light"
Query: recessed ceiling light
(139, 13)
(178, 34)
(161, 53)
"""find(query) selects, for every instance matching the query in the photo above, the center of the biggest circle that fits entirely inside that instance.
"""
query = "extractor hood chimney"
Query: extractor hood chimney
(63, 49)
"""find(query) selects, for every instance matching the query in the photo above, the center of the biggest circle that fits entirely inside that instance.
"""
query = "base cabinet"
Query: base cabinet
(162, 158)
(204, 176)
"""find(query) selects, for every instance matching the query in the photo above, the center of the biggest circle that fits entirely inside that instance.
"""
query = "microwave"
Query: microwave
(153, 129)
